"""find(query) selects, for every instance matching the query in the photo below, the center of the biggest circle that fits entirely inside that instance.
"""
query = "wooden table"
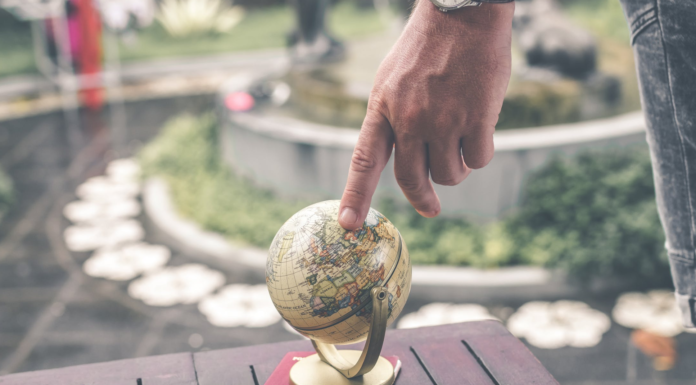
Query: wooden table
(477, 353)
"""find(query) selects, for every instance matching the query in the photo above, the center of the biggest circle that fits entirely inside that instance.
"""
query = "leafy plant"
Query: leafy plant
(15, 45)
(449, 241)
(205, 190)
(605, 18)
(198, 17)
(593, 216)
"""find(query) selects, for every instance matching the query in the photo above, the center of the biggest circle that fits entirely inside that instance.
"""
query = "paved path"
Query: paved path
(145, 71)
(51, 313)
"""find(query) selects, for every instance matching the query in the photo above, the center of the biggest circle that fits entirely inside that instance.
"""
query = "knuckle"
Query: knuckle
(488, 128)
(409, 184)
(354, 192)
(363, 161)
(411, 115)
(480, 162)
(376, 103)
(406, 135)
(446, 121)
(483, 123)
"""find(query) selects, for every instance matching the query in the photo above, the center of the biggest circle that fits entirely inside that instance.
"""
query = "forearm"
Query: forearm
(486, 19)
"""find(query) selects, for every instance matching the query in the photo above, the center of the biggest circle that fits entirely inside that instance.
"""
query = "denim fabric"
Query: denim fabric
(663, 34)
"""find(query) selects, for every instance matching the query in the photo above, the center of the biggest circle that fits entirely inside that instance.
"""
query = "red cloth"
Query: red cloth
(89, 51)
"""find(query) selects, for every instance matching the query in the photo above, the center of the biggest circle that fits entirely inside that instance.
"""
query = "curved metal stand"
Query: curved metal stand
(370, 368)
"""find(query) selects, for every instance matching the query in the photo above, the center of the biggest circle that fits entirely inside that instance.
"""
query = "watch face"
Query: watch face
(449, 4)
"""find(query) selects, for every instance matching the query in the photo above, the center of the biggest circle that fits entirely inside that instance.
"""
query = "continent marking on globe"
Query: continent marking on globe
(320, 275)
(356, 295)
(287, 243)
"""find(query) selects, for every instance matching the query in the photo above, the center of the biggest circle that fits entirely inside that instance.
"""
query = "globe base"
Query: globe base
(313, 371)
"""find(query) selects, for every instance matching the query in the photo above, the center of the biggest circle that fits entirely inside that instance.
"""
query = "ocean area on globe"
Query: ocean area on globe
(319, 275)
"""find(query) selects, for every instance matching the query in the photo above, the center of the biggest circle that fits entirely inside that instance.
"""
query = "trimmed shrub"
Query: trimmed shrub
(449, 241)
(593, 216)
(205, 190)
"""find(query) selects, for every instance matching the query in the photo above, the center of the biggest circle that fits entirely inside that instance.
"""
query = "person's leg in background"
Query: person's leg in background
(663, 35)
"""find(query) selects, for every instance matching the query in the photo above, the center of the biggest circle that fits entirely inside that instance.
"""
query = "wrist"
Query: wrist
(486, 18)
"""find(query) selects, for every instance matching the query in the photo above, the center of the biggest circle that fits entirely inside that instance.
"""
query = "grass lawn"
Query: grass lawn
(261, 28)
(605, 19)
(268, 27)
(15, 46)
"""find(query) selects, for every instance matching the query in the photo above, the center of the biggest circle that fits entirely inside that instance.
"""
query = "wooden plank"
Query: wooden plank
(449, 362)
(168, 380)
(399, 343)
(412, 373)
(509, 361)
(233, 366)
(459, 330)
(486, 346)
(223, 367)
(215, 367)
(174, 369)
(264, 368)
(47, 380)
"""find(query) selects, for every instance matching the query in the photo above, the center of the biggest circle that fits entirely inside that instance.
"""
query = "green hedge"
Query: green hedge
(15, 45)
(593, 216)
(204, 189)
(448, 241)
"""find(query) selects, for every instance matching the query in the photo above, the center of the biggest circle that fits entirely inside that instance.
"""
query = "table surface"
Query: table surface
(476, 353)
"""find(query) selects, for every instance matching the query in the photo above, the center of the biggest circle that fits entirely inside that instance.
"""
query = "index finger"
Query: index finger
(371, 154)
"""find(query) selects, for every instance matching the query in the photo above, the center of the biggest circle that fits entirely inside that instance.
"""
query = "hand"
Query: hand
(436, 100)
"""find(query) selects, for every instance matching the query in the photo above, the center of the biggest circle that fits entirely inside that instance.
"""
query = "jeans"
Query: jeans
(663, 35)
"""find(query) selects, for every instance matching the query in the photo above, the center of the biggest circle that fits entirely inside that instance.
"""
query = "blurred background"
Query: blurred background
(150, 150)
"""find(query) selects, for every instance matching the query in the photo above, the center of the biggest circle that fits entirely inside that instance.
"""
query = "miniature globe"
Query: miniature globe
(319, 275)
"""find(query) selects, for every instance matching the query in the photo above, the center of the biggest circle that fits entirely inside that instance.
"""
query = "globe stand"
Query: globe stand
(333, 366)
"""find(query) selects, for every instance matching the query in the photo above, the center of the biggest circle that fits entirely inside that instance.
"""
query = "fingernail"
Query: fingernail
(429, 214)
(348, 216)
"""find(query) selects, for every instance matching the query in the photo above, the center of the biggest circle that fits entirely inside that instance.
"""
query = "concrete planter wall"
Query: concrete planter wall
(296, 158)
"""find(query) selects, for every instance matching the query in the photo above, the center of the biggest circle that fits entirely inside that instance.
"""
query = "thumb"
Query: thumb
(371, 154)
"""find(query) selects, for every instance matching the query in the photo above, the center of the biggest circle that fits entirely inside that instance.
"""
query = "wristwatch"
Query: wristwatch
(451, 5)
